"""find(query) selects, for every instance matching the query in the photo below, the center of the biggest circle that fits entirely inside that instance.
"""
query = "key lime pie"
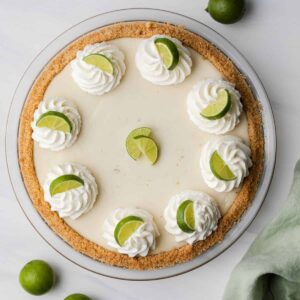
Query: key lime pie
(141, 145)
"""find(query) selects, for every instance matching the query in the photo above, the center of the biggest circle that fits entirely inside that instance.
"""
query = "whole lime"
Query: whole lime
(226, 11)
(77, 297)
(36, 277)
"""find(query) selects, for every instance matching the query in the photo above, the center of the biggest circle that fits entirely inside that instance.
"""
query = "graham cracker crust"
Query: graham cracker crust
(230, 73)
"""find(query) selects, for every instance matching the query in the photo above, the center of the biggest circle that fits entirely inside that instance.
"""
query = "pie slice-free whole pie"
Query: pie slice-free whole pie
(141, 145)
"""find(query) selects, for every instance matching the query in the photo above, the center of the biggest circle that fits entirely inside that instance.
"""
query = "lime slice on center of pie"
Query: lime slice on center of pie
(148, 147)
(219, 168)
(131, 145)
(168, 52)
(65, 183)
(100, 61)
(126, 227)
(185, 216)
(219, 107)
(55, 120)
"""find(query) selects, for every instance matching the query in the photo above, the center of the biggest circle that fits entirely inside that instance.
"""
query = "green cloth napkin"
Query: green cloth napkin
(271, 267)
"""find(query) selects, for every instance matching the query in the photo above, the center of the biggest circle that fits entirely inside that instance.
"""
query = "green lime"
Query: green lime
(131, 145)
(77, 297)
(219, 108)
(55, 120)
(100, 61)
(36, 277)
(168, 52)
(185, 216)
(65, 183)
(226, 11)
(148, 147)
(126, 227)
(219, 168)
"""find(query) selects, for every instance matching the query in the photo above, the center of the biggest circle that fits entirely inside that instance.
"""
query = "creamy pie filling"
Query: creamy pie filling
(106, 122)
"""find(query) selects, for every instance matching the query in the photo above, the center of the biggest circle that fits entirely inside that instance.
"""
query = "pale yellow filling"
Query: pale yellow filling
(106, 122)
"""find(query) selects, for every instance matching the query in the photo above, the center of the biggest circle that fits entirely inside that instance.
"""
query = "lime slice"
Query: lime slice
(126, 227)
(185, 216)
(148, 147)
(55, 120)
(36, 277)
(100, 61)
(65, 183)
(219, 168)
(218, 108)
(131, 145)
(168, 52)
(189, 216)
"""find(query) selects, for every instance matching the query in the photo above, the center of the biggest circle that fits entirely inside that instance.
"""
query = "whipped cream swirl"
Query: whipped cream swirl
(75, 202)
(235, 154)
(204, 93)
(206, 213)
(92, 79)
(56, 140)
(141, 241)
(151, 67)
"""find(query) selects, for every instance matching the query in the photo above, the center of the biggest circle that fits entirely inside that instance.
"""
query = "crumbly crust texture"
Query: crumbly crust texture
(230, 73)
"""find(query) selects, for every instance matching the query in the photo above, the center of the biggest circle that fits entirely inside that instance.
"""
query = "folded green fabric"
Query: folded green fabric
(271, 267)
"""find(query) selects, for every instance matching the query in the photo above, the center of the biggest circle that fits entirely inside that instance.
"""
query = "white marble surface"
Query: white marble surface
(268, 36)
